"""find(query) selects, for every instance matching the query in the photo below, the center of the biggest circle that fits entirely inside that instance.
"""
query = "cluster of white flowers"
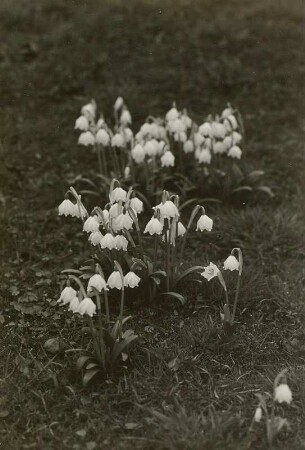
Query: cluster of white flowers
(160, 142)
(83, 304)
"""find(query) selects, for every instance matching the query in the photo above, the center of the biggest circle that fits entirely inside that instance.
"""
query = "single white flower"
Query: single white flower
(131, 280)
(151, 147)
(117, 140)
(198, 139)
(91, 225)
(114, 211)
(188, 146)
(86, 138)
(115, 280)
(136, 204)
(67, 208)
(138, 153)
(204, 223)
(181, 229)
(210, 271)
(97, 282)
(95, 238)
(154, 226)
(231, 263)
(118, 103)
(128, 134)
(203, 156)
(176, 126)
(168, 210)
(108, 241)
(125, 118)
(228, 142)
(283, 394)
(121, 243)
(219, 147)
(118, 194)
(86, 306)
(235, 152)
(74, 304)
(236, 137)
(258, 414)
(205, 129)
(82, 123)
(172, 114)
(123, 221)
(218, 130)
(167, 159)
(102, 137)
(67, 294)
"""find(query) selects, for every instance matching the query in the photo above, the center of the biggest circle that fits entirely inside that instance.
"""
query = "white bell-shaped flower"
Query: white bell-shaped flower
(154, 226)
(86, 306)
(91, 225)
(118, 103)
(218, 130)
(283, 394)
(168, 210)
(67, 208)
(205, 129)
(168, 159)
(114, 211)
(176, 126)
(236, 137)
(138, 153)
(123, 221)
(115, 280)
(102, 137)
(131, 280)
(205, 223)
(210, 271)
(204, 156)
(136, 204)
(121, 243)
(86, 138)
(231, 263)
(95, 238)
(74, 304)
(226, 112)
(235, 152)
(172, 114)
(117, 140)
(125, 118)
(82, 123)
(181, 229)
(97, 282)
(67, 294)
(108, 241)
(118, 194)
(228, 142)
(188, 146)
(219, 147)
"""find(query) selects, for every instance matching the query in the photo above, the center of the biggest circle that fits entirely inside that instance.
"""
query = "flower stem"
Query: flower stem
(101, 332)
(107, 308)
(236, 296)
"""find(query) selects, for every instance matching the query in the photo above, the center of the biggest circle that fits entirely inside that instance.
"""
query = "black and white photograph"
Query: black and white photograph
(152, 225)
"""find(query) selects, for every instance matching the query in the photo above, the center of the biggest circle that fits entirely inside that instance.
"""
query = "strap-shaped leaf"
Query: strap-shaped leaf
(89, 375)
(176, 296)
(188, 272)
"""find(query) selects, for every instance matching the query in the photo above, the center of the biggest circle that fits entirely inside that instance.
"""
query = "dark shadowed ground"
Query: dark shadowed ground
(55, 56)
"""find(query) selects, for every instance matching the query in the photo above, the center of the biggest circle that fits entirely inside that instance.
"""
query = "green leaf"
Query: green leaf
(78, 272)
(89, 375)
(188, 272)
(265, 189)
(176, 296)
(243, 188)
(227, 313)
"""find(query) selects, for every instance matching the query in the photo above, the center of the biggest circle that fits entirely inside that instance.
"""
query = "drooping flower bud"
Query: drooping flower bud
(204, 223)
(86, 306)
(131, 280)
(102, 137)
(115, 280)
(97, 282)
(67, 295)
(118, 103)
(210, 271)
(82, 123)
(235, 152)
(154, 226)
(283, 394)
(231, 263)
(168, 159)
(86, 138)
